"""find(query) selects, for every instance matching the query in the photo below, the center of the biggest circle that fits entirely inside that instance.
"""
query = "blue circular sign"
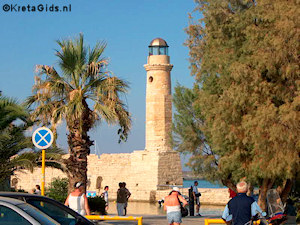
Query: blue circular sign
(42, 138)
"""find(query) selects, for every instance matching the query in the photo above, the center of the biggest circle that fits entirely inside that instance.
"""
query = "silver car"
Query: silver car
(16, 212)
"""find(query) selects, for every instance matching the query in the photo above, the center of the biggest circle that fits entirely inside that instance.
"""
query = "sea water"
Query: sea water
(145, 208)
(201, 184)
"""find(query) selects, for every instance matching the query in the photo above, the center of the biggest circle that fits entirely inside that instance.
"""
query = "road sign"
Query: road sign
(42, 138)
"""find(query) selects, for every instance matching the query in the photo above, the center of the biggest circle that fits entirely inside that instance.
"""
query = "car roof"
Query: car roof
(12, 201)
(2, 193)
(20, 194)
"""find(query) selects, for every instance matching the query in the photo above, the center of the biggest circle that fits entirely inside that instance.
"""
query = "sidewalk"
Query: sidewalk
(160, 220)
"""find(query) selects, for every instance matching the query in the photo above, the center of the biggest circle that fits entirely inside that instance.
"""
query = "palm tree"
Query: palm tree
(84, 94)
(13, 140)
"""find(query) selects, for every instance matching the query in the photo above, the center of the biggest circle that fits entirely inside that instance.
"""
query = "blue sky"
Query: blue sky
(28, 39)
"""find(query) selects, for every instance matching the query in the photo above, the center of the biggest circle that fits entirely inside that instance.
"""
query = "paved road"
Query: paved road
(158, 220)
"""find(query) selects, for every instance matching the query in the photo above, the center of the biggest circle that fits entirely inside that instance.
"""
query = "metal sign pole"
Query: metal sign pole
(43, 173)
(42, 138)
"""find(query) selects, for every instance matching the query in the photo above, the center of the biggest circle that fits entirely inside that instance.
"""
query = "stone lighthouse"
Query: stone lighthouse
(158, 97)
(159, 114)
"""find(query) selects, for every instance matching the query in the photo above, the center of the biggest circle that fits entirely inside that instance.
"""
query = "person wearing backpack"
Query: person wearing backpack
(172, 205)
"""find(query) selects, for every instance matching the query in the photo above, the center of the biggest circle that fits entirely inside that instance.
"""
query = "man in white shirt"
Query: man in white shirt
(196, 195)
(104, 195)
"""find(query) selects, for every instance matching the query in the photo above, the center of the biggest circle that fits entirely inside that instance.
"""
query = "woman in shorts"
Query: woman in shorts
(172, 206)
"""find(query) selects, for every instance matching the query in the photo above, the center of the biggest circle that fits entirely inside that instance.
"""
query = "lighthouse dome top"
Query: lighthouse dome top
(158, 46)
(158, 42)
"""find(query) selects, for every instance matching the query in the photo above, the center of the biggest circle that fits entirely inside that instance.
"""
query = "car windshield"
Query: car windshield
(54, 211)
(37, 215)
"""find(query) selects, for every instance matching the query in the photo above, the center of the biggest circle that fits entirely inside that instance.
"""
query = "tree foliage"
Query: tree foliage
(13, 123)
(245, 58)
(188, 136)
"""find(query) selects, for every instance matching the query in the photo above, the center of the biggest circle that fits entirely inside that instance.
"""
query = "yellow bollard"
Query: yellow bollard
(140, 221)
(206, 222)
(98, 217)
(220, 221)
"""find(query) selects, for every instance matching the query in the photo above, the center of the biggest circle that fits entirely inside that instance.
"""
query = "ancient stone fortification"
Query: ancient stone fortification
(138, 169)
(142, 171)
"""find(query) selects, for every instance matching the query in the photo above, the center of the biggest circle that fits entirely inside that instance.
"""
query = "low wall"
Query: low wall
(209, 196)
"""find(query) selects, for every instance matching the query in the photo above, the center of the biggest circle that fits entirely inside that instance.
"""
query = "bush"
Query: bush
(97, 204)
(58, 189)
(18, 190)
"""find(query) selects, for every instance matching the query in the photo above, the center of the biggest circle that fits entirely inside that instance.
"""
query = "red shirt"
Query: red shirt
(232, 193)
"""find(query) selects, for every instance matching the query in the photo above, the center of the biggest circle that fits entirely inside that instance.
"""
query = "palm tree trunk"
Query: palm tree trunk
(79, 143)
(79, 147)
(77, 171)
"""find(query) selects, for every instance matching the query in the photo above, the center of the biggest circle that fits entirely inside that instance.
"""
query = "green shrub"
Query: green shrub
(58, 189)
(18, 190)
(97, 204)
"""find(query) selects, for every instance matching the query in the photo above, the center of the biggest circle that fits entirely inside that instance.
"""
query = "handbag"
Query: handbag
(198, 194)
(184, 211)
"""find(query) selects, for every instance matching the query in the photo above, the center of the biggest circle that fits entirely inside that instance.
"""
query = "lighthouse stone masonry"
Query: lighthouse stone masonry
(159, 113)
(146, 171)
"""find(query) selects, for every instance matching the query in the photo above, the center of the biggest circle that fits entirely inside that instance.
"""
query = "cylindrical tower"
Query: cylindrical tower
(158, 97)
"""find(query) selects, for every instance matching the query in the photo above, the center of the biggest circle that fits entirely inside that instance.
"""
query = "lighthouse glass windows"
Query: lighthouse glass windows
(158, 50)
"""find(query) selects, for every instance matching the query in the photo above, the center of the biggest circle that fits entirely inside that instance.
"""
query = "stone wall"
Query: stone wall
(143, 172)
(147, 174)
(170, 171)
(27, 180)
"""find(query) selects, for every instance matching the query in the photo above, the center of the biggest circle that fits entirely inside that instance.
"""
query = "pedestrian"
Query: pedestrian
(172, 205)
(37, 190)
(128, 194)
(232, 193)
(121, 199)
(196, 195)
(32, 191)
(77, 200)
(240, 209)
(104, 195)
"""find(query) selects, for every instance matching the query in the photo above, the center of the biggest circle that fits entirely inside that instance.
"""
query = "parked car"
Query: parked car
(14, 211)
(56, 210)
